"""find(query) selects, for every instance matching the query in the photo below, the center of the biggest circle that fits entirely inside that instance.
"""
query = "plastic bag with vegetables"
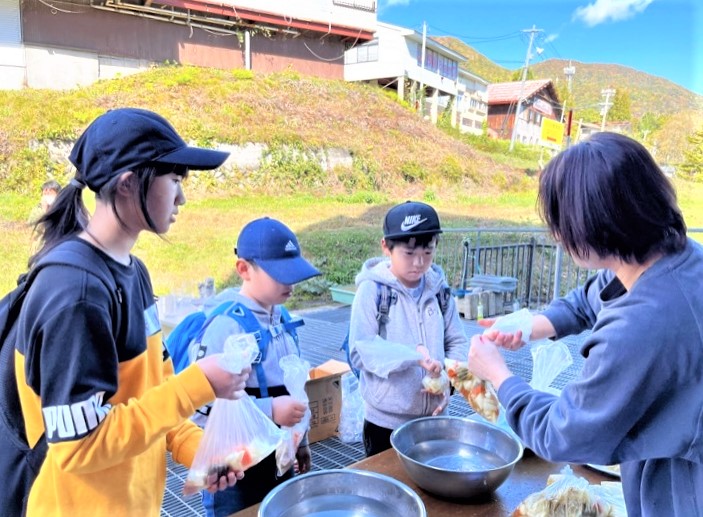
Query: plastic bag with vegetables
(238, 434)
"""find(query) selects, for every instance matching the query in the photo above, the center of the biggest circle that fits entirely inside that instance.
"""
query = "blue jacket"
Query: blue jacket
(639, 398)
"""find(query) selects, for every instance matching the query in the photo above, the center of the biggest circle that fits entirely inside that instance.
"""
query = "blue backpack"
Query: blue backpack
(385, 297)
(193, 327)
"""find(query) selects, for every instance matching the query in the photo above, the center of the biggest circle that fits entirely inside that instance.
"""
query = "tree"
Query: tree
(692, 167)
(517, 75)
(620, 110)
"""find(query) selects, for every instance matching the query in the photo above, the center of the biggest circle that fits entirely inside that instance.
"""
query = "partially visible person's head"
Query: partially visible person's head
(49, 190)
(410, 236)
(607, 196)
(270, 261)
(129, 147)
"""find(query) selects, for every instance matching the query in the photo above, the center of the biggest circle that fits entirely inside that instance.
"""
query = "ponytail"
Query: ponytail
(67, 216)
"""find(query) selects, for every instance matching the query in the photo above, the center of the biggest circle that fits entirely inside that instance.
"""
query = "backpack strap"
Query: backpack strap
(385, 297)
(250, 324)
(443, 297)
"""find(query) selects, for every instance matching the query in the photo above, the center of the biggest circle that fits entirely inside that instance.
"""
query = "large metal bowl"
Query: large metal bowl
(456, 457)
(340, 492)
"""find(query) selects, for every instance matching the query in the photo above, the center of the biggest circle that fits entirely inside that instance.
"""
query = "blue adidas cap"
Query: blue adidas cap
(274, 247)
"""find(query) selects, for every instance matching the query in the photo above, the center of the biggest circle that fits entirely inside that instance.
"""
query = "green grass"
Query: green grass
(337, 235)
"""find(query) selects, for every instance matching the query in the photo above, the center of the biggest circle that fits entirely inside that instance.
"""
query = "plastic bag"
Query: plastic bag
(436, 385)
(549, 359)
(511, 323)
(382, 357)
(478, 393)
(238, 434)
(295, 374)
(568, 496)
(351, 420)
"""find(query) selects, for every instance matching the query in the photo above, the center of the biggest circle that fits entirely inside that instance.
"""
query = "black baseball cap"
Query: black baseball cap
(410, 219)
(125, 138)
(274, 248)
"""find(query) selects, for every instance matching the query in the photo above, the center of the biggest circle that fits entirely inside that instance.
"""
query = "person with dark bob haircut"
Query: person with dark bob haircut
(637, 401)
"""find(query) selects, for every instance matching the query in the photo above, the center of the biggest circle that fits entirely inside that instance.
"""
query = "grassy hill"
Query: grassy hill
(648, 93)
(295, 116)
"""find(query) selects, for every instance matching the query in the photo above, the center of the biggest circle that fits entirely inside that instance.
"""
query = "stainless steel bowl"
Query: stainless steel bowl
(342, 492)
(456, 457)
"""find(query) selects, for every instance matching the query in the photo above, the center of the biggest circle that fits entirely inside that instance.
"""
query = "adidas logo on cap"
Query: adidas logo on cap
(290, 246)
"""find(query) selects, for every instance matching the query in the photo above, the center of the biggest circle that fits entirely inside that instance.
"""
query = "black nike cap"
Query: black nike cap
(410, 219)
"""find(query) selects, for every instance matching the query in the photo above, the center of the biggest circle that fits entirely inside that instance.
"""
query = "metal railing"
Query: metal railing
(543, 271)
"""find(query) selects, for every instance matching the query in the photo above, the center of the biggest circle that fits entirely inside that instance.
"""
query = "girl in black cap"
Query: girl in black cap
(95, 380)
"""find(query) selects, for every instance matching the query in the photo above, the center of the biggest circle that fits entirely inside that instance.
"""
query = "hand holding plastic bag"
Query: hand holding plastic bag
(381, 357)
(238, 434)
(295, 374)
(512, 323)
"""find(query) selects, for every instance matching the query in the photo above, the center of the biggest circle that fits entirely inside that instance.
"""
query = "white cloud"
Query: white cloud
(393, 3)
(610, 10)
(551, 38)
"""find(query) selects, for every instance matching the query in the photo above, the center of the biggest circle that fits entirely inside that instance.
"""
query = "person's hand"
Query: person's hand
(304, 458)
(225, 384)
(216, 484)
(443, 403)
(287, 411)
(486, 362)
(501, 339)
(433, 367)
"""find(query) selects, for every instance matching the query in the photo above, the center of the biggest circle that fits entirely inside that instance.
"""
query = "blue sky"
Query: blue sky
(659, 37)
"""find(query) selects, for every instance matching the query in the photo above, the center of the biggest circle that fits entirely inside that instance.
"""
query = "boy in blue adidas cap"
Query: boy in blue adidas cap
(403, 298)
(269, 263)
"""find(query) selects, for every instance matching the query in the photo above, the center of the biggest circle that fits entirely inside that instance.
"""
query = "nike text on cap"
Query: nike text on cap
(410, 219)
(273, 246)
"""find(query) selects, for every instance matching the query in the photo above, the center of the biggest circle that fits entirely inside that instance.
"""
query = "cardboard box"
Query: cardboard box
(324, 390)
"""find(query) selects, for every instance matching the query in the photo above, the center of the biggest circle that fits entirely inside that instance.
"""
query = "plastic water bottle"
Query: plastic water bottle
(516, 305)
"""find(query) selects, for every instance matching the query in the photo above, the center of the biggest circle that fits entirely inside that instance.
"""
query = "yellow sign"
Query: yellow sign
(552, 132)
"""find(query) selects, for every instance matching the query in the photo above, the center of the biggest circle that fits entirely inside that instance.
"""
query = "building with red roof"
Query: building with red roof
(539, 99)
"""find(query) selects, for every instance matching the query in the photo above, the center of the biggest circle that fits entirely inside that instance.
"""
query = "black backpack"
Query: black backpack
(385, 297)
(19, 463)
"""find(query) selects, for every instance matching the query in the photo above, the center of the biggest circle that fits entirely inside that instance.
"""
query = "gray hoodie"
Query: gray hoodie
(393, 401)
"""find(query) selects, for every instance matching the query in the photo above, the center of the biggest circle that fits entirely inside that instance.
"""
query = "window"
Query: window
(364, 5)
(362, 53)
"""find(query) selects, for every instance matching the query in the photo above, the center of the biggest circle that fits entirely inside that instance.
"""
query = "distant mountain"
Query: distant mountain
(648, 93)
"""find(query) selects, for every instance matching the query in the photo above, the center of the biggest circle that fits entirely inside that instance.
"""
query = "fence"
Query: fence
(543, 271)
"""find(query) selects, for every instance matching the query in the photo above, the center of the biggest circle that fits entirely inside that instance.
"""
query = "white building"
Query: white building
(393, 59)
(47, 44)
(472, 104)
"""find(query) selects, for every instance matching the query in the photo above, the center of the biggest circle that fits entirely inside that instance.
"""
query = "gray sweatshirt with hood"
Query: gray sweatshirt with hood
(392, 401)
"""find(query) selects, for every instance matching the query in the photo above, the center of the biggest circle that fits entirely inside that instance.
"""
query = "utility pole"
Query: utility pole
(606, 105)
(518, 108)
(569, 71)
(422, 69)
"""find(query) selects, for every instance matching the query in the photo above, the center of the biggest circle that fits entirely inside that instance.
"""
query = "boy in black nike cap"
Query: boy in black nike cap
(403, 298)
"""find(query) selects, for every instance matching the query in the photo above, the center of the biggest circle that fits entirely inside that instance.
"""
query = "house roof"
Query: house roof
(415, 36)
(507, 93)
